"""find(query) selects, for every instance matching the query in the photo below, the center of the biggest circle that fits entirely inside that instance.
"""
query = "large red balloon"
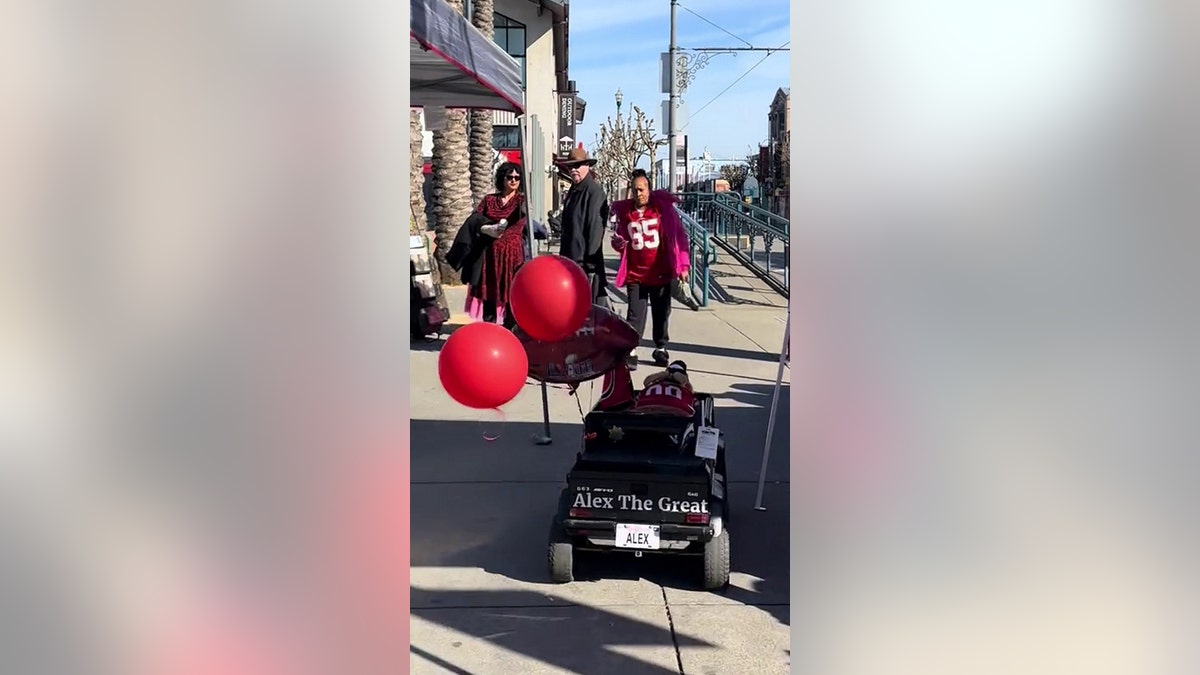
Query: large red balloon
(550, 298)
(482, 365)
(603, 341)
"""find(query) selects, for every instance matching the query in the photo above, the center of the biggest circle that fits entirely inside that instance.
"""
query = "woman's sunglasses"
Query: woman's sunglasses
(513, 177)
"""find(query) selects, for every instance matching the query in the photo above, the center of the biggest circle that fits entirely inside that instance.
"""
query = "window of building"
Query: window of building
(509, 34)
(505, 137)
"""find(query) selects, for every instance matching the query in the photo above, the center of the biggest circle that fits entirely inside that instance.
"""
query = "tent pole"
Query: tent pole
(762, 474)
(523, 129)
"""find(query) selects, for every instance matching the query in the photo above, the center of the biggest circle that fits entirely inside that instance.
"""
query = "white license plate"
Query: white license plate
(637, 536)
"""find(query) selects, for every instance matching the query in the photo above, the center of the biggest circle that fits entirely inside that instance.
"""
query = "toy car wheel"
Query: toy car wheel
(561, 557)
(716, 562)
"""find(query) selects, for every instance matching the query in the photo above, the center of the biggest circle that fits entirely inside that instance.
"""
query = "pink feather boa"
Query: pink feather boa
(675, 240)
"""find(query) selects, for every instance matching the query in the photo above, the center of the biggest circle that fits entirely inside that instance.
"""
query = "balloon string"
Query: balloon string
(579, 404)
(488, 435)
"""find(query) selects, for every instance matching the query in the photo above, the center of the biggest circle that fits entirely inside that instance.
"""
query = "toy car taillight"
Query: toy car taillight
(580, 513)
(697, 519)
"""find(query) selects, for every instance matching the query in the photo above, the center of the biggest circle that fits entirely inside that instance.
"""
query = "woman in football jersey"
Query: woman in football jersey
(654, 255)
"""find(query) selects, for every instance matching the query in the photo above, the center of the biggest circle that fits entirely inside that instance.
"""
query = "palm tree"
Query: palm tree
(416, 198)
(482, 14)
(417, 225)
(452, 182)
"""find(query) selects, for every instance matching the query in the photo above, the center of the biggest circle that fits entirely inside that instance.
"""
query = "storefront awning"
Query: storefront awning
(453, 65)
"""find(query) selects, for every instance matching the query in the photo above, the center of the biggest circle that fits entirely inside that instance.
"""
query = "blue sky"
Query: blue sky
(616, 44)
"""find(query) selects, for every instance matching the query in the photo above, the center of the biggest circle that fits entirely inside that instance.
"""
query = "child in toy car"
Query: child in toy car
(667, 393)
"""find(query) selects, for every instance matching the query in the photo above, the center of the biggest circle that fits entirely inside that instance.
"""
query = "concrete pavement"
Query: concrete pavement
(481, 509)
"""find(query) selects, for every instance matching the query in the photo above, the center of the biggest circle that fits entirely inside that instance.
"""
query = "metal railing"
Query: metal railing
(754, 236)
(702, 254)
(757, 213)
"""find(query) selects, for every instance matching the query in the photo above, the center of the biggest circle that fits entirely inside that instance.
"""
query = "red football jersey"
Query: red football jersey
(646, 258)
(666, 398)
(616, 391)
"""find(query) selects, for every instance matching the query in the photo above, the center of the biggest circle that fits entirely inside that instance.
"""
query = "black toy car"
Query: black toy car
(638, 486)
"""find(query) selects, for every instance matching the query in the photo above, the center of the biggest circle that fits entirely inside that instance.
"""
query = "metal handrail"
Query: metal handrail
(703, 255)
(771, 220)
(736, 227)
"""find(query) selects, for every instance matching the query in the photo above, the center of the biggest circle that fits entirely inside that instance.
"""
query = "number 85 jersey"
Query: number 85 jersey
(647, 261)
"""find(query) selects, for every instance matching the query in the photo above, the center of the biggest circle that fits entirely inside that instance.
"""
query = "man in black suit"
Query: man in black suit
(584, 216)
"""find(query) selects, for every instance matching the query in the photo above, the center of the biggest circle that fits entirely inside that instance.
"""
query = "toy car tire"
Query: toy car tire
(560, 557)
(716, 562)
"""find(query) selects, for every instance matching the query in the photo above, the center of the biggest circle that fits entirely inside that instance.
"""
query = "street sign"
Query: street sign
(681, 116)
(566, 124)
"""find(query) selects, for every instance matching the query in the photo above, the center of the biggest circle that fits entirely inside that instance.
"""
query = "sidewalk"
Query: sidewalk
(481, 511)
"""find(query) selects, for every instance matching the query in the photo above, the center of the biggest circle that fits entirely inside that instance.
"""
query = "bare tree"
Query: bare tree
(607, 148)
(482, 162)
(735, 174)
(785, 158)
(621, 145)
(752, 166)
(644, 138)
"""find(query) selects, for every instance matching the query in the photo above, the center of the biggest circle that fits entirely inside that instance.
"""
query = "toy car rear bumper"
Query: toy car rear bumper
(606, 530)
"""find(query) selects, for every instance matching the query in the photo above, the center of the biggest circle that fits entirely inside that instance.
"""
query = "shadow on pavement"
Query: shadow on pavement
(571, 637)
(727, 352)
(489, 505)
(721, 292)
(444, 665)
(434, 343)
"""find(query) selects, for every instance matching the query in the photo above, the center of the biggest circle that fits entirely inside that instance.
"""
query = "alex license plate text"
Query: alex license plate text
(637, 536)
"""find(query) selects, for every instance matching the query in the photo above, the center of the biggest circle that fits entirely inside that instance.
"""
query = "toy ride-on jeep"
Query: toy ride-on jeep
(648, 480)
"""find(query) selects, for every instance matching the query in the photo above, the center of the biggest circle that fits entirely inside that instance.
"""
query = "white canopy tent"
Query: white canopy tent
(784, 359)
(454, 65)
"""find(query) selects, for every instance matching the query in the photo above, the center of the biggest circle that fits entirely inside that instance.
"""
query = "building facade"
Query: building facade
(774, 157)
(534, 33)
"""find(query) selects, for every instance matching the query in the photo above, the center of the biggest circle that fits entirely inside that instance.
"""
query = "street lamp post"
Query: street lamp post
(673, 103)
(620, 98)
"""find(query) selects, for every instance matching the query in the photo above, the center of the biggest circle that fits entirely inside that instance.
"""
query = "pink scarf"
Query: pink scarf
(674, 236)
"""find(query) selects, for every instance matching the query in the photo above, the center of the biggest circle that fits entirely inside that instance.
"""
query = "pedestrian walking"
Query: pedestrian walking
(584, 214)
(654, 257)
(491, 246)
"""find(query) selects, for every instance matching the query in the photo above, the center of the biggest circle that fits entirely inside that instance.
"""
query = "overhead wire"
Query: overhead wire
(720, 28)
(734, 83)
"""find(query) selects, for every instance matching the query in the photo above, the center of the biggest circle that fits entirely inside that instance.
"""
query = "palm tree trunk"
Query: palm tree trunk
(416, 199)
(452, 187)
(417, 224)
(452, 182)
(482, 17)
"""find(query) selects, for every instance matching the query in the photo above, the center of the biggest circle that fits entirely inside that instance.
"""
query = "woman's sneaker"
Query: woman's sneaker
(661, 357)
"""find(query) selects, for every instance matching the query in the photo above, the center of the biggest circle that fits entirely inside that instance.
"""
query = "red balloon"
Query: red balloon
(603, 341)
(550, 298)
(482, 365)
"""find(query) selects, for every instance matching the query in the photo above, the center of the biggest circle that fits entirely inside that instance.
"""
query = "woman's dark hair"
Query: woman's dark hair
(504, 170)
(639, 173)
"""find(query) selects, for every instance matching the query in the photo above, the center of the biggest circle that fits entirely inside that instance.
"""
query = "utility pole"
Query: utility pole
(672, 120)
